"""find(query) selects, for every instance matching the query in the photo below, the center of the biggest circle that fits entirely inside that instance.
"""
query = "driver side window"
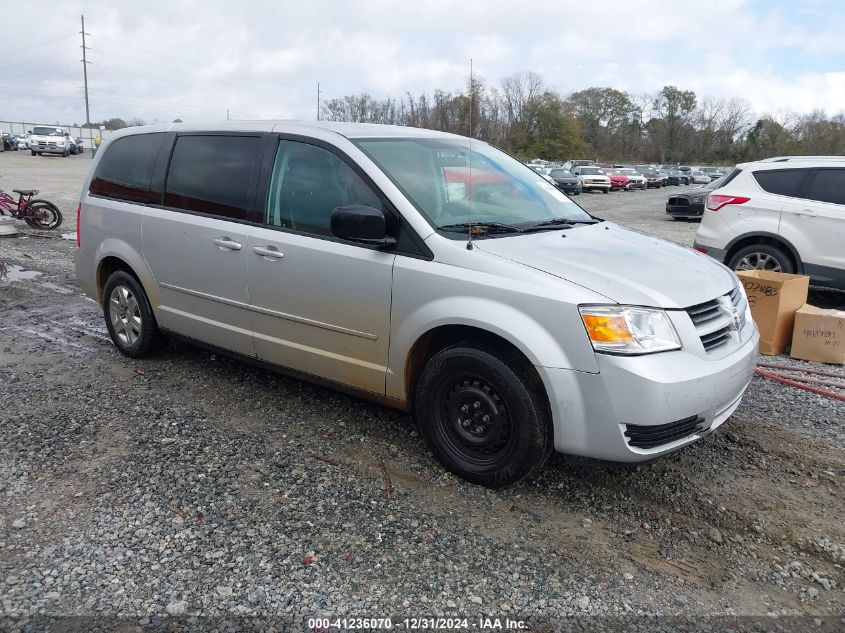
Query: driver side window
(307, 183)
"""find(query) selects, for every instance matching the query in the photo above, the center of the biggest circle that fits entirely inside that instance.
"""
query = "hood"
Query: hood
(625, 266)
(692, 193)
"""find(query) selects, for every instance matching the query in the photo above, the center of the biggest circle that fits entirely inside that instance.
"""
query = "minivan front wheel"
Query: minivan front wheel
(761, 257)
(129, 317)
(483, 415)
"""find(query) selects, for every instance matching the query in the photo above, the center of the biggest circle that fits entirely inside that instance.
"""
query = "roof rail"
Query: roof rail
(786, 159)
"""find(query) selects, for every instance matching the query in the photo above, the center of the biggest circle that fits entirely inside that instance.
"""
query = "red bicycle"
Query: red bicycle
(39, 214)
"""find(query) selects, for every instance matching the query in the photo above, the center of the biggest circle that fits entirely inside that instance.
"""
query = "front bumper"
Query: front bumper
(591, 411)
(48, 148)
(693, 210)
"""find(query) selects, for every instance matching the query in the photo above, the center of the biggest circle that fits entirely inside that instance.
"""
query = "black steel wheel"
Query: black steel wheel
(483, 414)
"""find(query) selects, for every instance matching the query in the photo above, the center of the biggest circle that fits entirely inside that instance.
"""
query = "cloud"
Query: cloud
(197, 59)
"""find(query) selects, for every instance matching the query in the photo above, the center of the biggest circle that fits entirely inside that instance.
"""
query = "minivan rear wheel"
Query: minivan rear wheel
(483, 415)
(129, 317)
(761, 257)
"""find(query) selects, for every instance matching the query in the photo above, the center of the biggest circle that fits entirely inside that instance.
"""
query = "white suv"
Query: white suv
(784, 214)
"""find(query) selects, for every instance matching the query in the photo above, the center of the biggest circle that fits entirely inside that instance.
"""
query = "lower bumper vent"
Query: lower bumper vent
(653, 436)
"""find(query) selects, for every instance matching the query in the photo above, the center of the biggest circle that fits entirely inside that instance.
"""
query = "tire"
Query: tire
(510, 435)
(129, 317)
(607, 190)
(761, 257)
(33, 152)
(43, 215)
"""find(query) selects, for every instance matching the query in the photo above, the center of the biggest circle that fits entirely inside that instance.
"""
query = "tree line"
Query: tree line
(525, 117)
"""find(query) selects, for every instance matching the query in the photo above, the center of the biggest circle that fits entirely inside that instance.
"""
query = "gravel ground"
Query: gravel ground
(192, 485)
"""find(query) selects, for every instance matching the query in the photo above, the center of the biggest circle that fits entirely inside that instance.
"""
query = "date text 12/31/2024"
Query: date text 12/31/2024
(415, 624)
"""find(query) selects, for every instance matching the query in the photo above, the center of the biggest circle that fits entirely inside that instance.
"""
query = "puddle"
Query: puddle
(18, 273)
(69, 236)
(56, 288)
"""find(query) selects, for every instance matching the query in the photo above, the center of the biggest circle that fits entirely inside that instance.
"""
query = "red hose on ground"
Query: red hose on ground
(793, 383)
(832, 374)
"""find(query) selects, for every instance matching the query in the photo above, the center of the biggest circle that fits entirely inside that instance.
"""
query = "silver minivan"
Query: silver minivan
(422, 270)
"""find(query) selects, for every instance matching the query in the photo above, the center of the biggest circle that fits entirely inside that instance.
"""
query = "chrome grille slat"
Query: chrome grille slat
(713, 326)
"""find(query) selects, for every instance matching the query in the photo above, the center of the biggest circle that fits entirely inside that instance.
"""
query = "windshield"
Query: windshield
(629, 172)
(46, 131)
(591, 171)
(561, 173)
(435, 175)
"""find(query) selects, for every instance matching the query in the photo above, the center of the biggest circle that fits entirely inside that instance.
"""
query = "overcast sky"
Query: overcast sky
(194, 59)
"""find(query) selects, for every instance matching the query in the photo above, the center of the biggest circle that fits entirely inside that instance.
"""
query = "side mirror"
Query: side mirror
(360, 223)
(29, 131)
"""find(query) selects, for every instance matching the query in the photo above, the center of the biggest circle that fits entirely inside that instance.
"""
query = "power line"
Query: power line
(37, 59)
(29, 73)
(267, 88)
(40, 44)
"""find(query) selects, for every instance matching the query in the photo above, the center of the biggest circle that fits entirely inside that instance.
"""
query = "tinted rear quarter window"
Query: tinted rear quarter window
(125, 170)
(782, 182)
(214, 175)
(828, 186)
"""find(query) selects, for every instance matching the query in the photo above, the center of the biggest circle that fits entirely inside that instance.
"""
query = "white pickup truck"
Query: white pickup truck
(51, 140)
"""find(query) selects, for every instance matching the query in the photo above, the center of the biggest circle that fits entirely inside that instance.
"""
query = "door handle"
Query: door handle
(227, 244)
(268, 252)
(808, 212)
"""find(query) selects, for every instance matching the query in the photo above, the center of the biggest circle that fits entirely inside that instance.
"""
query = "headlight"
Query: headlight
(629, 330)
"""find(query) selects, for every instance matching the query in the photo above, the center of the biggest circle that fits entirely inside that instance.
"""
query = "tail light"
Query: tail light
(716, 201)
(78, 217)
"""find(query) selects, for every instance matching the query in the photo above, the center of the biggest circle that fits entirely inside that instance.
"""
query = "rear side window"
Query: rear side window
(827, 186)
(783, 182)
(214, 175)
(125, 170)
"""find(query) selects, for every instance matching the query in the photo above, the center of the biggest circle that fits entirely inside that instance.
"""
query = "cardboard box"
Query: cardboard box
(819, 335)
(774, 299)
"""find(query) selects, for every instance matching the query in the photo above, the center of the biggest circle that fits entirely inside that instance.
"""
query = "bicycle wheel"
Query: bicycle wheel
(41, 214)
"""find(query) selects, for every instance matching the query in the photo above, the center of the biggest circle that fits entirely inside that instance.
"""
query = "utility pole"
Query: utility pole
(318, 100)
(85, 63)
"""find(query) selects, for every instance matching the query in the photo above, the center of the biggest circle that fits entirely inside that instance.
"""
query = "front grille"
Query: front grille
(640, 436)
(679, 202)
(714, 321)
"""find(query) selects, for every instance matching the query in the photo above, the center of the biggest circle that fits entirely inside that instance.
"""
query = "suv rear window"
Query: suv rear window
(828, 186)
(214, 175)
(783, 182)
(125, 170)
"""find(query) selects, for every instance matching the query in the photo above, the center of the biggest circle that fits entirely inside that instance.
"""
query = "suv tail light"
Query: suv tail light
(717, 201)
(78, 217)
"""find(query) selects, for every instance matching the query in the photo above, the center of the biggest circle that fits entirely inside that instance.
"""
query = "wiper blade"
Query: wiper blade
(557, 223)
(481, 228)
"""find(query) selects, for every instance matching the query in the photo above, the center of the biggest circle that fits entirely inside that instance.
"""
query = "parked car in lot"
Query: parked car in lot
(9, 142)
(22, 141)
(80, 144)
(341, 253)
(713, 172)
(618, 180)
(653, 179)
(48, 140)
(785, 214)
(690, 204)
(677, 177)
(635, 179)
(699, 178)
(592, 178)
(566, 181)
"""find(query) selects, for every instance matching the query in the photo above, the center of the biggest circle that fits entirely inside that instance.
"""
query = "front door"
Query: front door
(320, 305)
